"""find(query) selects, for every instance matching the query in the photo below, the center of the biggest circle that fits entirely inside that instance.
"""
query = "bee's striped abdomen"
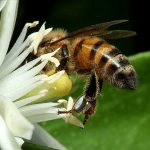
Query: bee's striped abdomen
(108, 60)
(103, 55)
(95, 48)
(113, 64)
(95, 53)
(85, 51)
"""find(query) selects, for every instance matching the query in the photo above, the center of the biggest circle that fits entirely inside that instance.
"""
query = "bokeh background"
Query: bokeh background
(122, 120)
(72, 15)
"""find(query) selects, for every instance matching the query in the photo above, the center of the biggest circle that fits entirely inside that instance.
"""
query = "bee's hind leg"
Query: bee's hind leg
(92, 90)
(65, 56)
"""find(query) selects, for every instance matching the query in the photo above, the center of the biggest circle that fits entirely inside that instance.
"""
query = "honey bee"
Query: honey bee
(86, 51)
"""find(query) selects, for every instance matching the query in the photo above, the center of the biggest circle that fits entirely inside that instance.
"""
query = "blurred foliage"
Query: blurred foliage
(122, 119)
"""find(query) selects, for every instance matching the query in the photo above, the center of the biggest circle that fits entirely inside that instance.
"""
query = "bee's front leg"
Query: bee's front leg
(64, 112)
(64, 59)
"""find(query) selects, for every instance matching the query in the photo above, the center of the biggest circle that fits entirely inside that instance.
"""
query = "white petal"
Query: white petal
(51, 114)
(15, 63)
(16, 94)
(36, 69)
(19, 141)
(55, 61)
(70, 103)
(63, 101)
(17, 124)
(44, 91)
(15, 54)
(11, 85)
(7, 141)
(39, 38)
(43, 117)
(48, 57)
(14, 84)
(17, 86)
(8, 18)
(32, 72)
(47, 31)
(37, 109)
(25, 67)
(54, 77)
(28, 100)
(15, 50)
(32, 25)
(73, 120)
(2, 4)
(41, 137)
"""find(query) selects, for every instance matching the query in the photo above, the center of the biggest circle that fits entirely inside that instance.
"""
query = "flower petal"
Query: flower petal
(2, 4)
(42, 112)
(25, 45)
(43, 117)
(7, 141)
(39, 37)
(42, 138)
(73, 120)
(15, 63)
(8, 18)
(26, 67)
(16, 86)
(64, 102)
(16, 94)
(70, 104)
(36, 109)
(54, 77)
(48, 57)
(54, 86)
(17, 124)
(55, 61)
(28, 100)
(19, 141)
(30, 44)
(15, 50)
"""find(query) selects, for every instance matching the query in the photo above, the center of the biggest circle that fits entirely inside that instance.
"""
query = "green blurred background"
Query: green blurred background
(122, 120)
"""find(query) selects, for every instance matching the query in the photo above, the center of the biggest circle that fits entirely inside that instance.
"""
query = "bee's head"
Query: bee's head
(125, 78)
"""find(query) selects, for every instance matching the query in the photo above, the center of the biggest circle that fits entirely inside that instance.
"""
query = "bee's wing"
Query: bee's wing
(93, 30)
(96, 29)
(116, 34)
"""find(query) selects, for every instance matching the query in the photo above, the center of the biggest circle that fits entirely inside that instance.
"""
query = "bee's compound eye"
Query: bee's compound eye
(80, 104)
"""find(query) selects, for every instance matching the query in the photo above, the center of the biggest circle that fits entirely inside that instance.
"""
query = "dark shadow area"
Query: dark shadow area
(72, 15)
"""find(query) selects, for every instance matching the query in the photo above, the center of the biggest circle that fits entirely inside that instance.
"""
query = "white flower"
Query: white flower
(12, 124)
(18, 115)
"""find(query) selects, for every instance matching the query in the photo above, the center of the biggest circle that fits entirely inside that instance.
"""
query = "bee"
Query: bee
(86, 51)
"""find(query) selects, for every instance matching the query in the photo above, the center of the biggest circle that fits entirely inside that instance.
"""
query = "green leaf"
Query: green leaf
(122, 120)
